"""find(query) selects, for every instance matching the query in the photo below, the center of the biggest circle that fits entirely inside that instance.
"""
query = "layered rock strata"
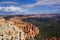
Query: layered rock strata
(15, 29)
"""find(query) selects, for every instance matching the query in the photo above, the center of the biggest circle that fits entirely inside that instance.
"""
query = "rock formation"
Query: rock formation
(16, 29)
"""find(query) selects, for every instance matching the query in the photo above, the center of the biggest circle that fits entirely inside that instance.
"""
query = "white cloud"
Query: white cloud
(8, 2)
(13, 9)
(52, 11)
(52, 6)
(43, 2)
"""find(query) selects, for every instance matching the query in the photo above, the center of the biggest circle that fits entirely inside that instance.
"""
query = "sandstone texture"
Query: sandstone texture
(16, 29)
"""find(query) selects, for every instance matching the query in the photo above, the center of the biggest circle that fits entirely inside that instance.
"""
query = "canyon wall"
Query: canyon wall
(16, 29)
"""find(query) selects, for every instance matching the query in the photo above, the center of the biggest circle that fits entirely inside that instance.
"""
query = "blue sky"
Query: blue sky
(18, 7)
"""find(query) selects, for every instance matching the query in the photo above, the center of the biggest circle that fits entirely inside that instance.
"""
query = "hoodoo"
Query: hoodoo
(13, 29)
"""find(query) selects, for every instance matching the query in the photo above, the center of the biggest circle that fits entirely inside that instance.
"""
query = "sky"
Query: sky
(23, 7)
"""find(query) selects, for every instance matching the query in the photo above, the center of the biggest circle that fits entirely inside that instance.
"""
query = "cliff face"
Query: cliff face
(16, 27)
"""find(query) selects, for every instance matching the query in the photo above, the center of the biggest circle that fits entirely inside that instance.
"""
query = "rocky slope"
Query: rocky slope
(16, 28)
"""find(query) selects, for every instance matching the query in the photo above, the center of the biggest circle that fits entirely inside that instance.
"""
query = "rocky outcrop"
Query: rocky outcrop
(15, 27)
